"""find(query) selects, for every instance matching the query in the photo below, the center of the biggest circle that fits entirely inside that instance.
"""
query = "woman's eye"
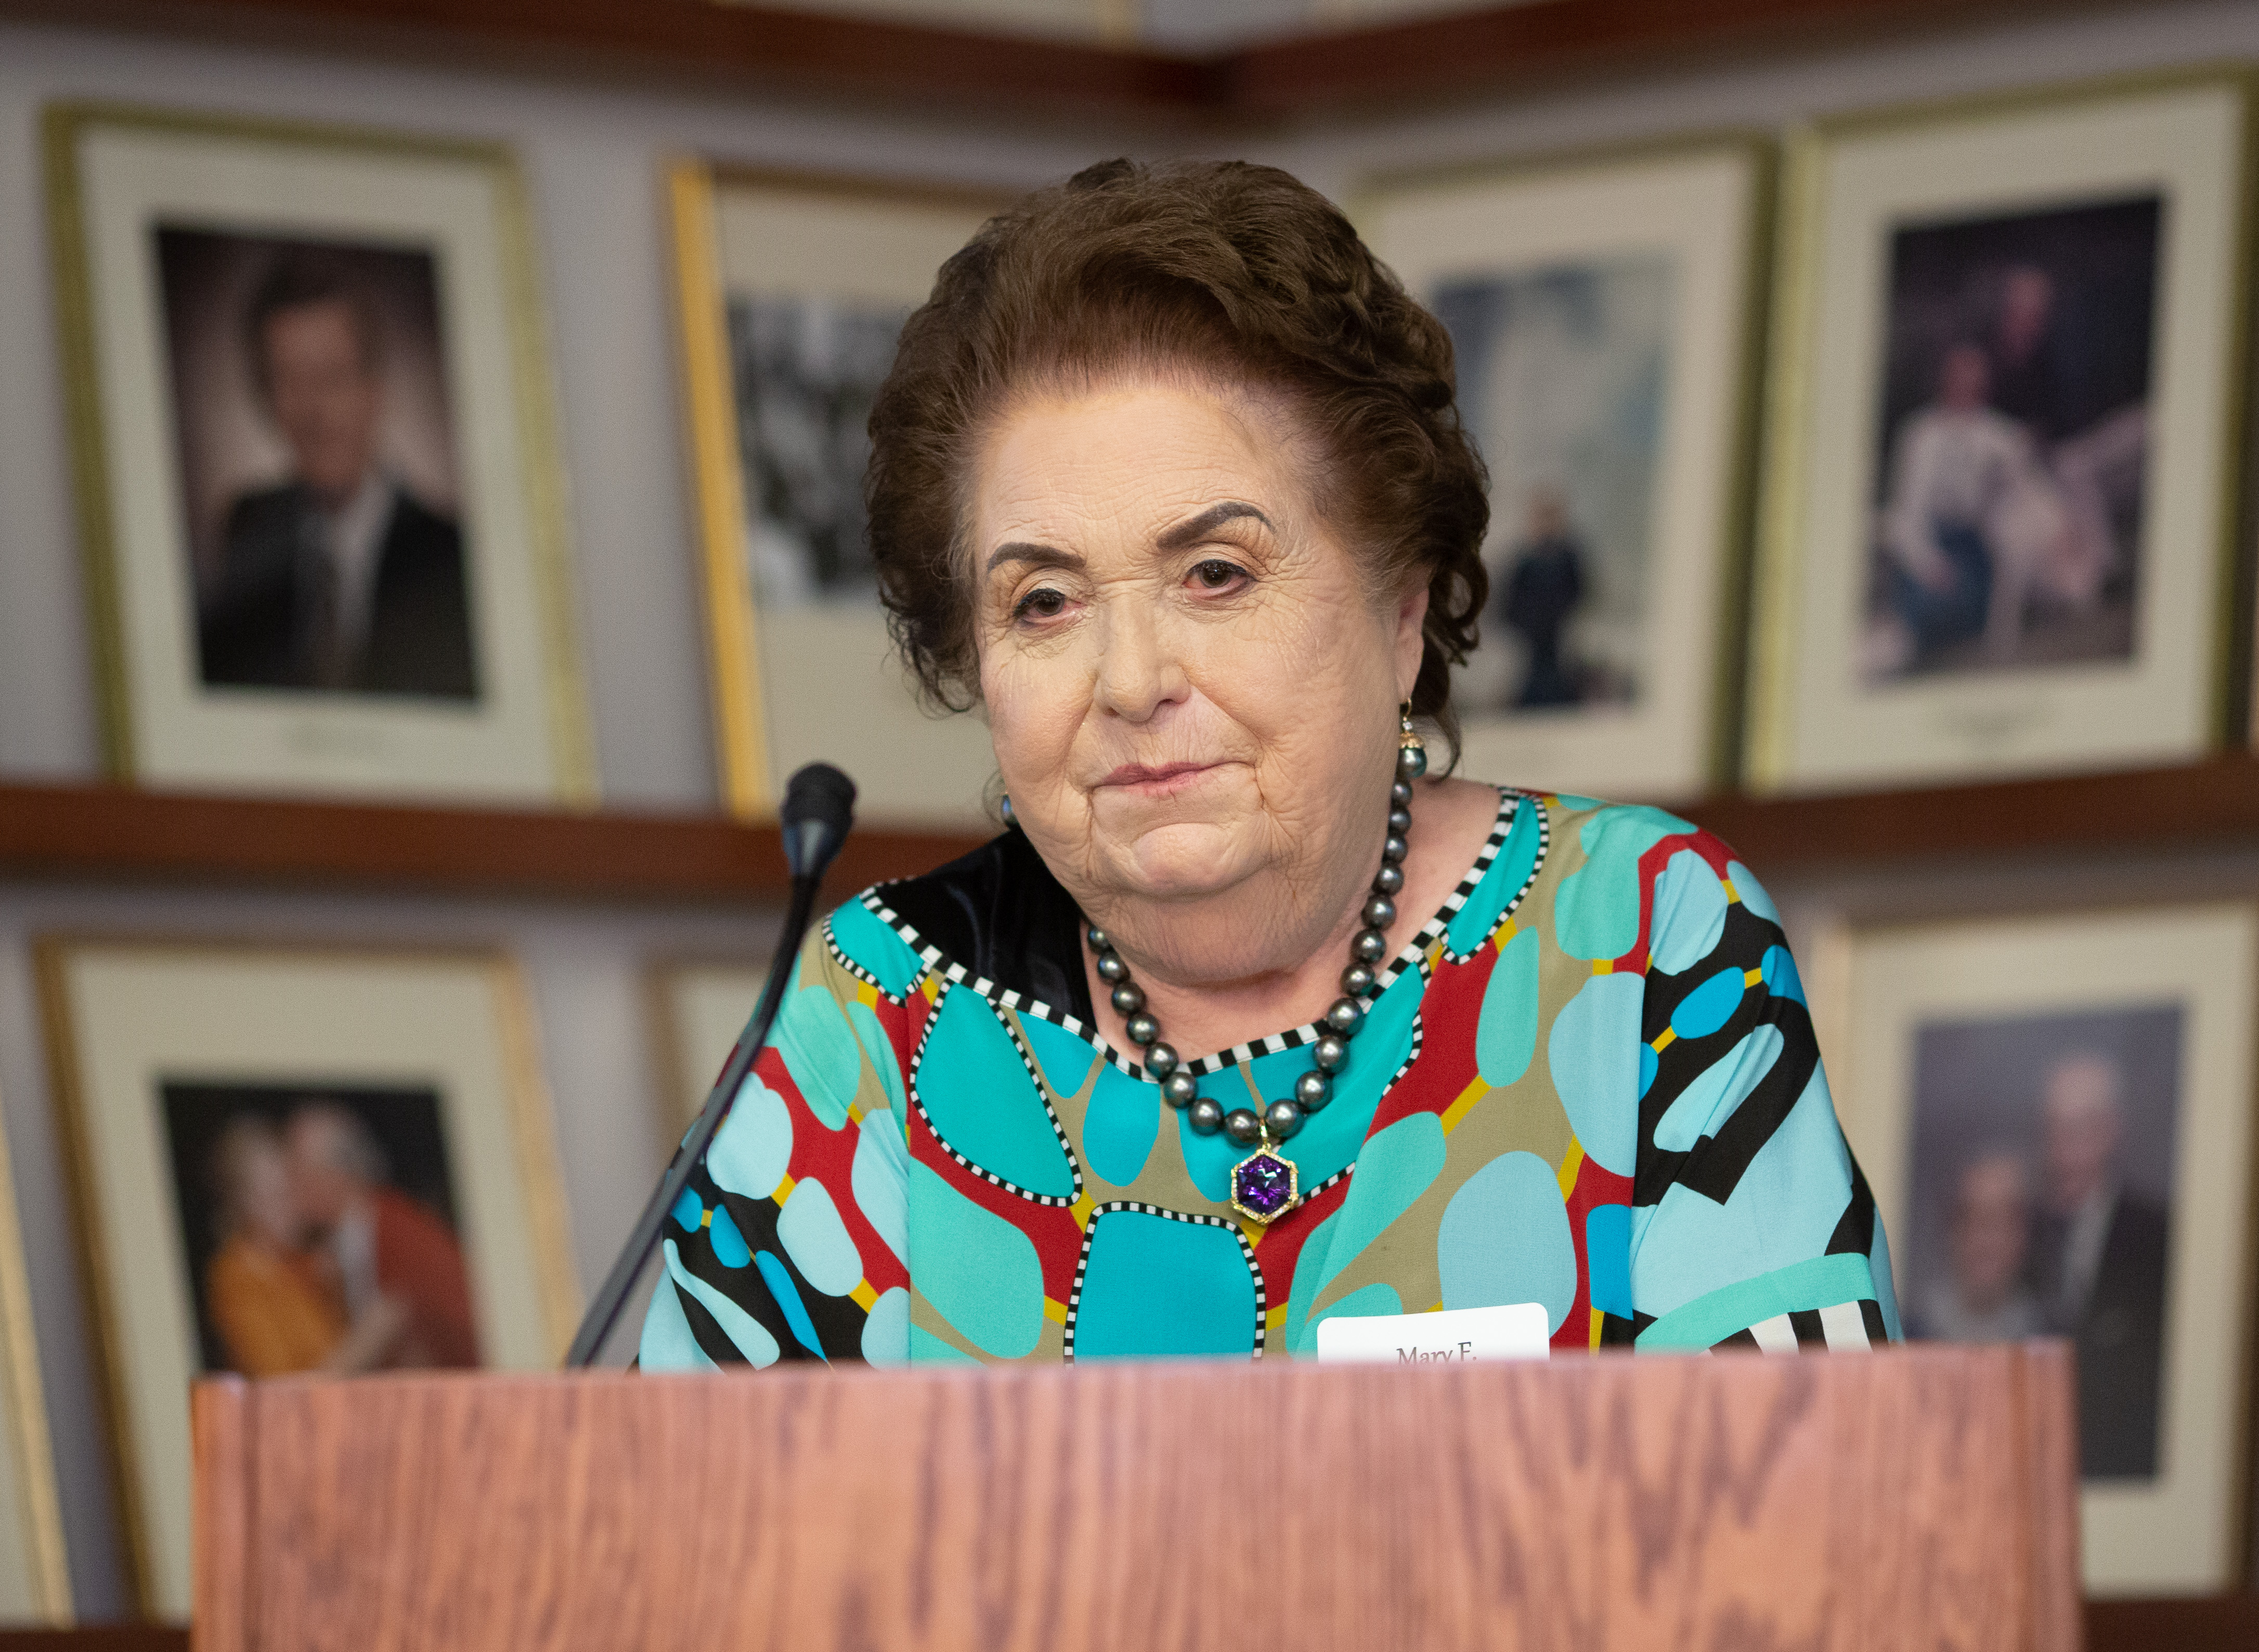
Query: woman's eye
(1042, 603)
(1215, 573)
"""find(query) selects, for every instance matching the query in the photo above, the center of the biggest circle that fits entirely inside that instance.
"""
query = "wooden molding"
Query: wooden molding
(1496, 48)
(117, 834)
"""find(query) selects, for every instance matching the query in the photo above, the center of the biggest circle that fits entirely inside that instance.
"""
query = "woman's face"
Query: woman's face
(1187, 682)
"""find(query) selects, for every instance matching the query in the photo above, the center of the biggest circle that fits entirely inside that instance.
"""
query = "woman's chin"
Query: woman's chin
(1181, 862)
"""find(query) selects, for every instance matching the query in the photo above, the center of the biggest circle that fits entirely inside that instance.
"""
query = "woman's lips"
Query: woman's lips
(1156, 780)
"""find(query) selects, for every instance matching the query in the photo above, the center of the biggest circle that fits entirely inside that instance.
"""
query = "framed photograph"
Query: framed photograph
(698, 1009)
(794, 290)
(2003, 437)
(2055, 1114)
(1603, 312)
(34, 1566)
(296, 1160)
(318, 470)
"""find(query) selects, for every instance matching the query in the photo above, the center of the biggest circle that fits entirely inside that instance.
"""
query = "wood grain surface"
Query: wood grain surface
(115, 833)
(1880, 1501)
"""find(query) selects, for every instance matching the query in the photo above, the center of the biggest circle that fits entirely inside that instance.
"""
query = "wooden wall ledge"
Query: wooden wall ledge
(714, 42)
(117, 834)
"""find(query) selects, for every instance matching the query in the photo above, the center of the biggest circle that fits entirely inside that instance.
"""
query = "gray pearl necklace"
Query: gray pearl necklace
(1264, 1190)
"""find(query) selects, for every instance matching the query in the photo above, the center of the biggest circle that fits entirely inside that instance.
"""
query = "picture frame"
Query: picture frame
(697, 1008)
(2054, 1112)
(319, 488)
(35, 1585)
(1606, 309)
(791, 290)
(2003, 436)
(295, 1158)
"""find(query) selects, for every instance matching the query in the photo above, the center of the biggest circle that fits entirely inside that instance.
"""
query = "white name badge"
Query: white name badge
(1454, 1336)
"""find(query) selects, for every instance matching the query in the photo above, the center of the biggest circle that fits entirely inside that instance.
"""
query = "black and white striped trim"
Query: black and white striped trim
(1844, 1327)
(1412, 956)
(1246, 1251)
(1467, 889)
(839, 957)
(1035, 1077)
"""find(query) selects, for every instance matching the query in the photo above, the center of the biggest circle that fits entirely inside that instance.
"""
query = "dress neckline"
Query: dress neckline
(997, 921)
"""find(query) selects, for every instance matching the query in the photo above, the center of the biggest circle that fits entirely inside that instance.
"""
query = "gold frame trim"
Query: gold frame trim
(1267, 1150)
(532, 394)
(532, 1124)
(717, 482)
(1735, 527)
(25, 1397)
(1783, 490)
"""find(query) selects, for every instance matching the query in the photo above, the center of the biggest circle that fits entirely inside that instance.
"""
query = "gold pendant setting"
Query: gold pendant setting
(1264, 1186)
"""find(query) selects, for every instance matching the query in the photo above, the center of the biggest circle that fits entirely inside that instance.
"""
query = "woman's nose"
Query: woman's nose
(1138, 671)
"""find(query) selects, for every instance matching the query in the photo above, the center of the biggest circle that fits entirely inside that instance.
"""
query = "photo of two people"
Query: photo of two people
(319, 1228)
(2043, 1169)
(2015, 440)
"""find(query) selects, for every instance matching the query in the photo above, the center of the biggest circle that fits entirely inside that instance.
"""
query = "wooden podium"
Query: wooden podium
(1922, 1498)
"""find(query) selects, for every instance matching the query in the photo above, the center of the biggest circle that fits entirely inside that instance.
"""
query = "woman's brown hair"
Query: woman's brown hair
(1228, 270)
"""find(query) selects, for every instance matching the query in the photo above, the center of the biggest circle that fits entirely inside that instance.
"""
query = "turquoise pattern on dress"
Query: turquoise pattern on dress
(1487, 904)
(1593, 1055)
(749, 1154)
(1704, 1106)
(1709, 1006)
(1398, 1164)
(980, 1272)
(1305, 1290)
(1596, 912)
(1066, 1060)
(1753, 892)
(1780, 977)
(873, 1037)
(1154, 1288)
(809, 1229)
(821, 1048)
(989, 1108)
(729, 1247)
(1607, 1258)
(876, 948)
(1121, 1126)
(926, 1349)
(880, 1181)
(1782, 1211)
(1690, 914)
(788, 1299)
(668, 1343)
(1505, 1238)
(747, 1334)
(1505, 1038)
(886, 1332)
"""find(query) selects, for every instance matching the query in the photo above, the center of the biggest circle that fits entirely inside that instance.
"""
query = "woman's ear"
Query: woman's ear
(1411, 636)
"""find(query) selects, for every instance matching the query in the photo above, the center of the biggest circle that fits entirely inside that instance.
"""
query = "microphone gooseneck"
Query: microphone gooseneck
(817, 812)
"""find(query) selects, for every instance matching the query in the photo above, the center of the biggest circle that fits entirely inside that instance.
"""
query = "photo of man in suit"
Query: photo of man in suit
(2099, 1263)
(337, 578)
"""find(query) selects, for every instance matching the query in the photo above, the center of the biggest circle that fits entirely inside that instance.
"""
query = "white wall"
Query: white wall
(593, 154)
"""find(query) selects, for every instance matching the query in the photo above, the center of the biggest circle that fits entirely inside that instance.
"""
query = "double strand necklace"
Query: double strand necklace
(1266, 1184)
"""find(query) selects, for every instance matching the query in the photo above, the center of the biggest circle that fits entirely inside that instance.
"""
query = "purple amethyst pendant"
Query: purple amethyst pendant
(1264, 1186)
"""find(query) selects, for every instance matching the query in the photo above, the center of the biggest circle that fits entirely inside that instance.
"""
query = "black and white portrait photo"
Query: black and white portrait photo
(2015, 435)
(807, 371)
(318, 456)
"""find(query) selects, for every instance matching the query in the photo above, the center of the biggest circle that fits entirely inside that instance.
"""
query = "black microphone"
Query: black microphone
(819, 807)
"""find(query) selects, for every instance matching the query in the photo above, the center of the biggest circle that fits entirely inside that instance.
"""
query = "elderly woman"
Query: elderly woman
(1251, 1018)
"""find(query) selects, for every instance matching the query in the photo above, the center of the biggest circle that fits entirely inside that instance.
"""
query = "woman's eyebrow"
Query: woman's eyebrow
(1197, 528)
(1042, 556)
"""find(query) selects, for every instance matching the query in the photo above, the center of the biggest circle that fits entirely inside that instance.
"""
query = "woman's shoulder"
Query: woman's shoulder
(995, 916)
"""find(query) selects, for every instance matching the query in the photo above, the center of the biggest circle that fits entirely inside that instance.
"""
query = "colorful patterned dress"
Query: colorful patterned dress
(1589, 1082)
